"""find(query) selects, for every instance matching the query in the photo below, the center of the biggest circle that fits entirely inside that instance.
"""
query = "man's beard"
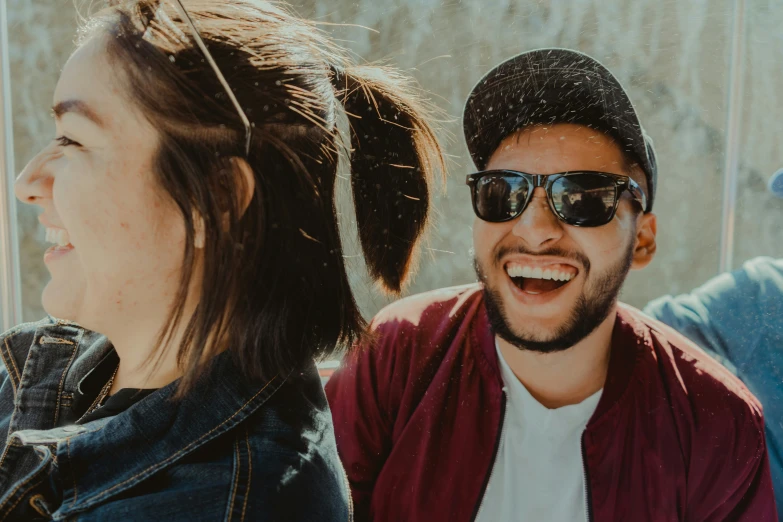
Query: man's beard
(591, 309)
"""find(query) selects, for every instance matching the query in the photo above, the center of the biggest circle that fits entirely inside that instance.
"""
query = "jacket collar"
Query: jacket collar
(111, 455)
(629, 338)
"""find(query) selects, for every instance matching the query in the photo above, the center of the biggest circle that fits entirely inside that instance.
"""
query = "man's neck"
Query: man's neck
(567, 377)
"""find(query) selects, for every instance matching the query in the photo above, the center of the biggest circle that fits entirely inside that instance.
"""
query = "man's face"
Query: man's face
(571, 275)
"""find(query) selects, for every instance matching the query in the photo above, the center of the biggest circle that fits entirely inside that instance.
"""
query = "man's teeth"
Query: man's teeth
(58, 236)
(537, 273)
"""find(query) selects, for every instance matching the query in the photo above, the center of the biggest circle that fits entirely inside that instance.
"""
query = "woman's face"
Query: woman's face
(122, 235)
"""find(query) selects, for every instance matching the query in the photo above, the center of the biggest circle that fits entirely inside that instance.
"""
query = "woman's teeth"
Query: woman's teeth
(538, 273)
(58, 236)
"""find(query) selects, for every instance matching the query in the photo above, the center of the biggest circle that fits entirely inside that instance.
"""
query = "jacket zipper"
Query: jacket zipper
(588, 498)
(501, 432)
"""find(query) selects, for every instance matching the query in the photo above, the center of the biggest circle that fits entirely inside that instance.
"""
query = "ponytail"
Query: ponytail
(395, 154)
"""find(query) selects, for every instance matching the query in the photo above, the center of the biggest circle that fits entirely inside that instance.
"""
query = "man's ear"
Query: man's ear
(645, 248)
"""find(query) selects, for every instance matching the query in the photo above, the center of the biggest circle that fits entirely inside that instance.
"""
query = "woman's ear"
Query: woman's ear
(244, 186)
(644, 251)
(199, 236)
(245, 183)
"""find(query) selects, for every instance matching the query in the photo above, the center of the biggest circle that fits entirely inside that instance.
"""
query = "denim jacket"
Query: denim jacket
(231, 450)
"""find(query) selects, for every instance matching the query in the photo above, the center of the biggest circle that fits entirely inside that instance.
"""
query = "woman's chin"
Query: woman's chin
(60, 303)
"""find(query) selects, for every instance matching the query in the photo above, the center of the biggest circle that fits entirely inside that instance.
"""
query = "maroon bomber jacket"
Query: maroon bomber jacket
(418, 416)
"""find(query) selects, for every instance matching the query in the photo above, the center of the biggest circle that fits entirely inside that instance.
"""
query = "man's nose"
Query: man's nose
(34, 183)
(538, 226)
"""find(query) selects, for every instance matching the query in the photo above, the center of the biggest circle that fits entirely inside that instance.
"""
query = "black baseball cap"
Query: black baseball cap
(548, 86)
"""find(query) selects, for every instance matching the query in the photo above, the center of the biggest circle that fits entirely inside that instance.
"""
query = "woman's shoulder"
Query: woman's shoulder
(292, 444)
(281, 463)
(295, 421)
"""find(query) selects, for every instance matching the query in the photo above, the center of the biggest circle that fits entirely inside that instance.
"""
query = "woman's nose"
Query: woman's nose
(34, 183)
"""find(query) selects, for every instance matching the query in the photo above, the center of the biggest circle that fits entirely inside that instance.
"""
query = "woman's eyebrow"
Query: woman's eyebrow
(78, 107)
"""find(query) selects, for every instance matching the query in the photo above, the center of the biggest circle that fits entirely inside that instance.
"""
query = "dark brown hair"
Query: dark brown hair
(275, 291)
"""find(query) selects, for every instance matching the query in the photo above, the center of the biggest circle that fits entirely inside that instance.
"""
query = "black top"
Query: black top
(92, 384)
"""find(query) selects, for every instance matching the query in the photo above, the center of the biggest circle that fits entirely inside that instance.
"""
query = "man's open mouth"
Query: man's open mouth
(540, 280)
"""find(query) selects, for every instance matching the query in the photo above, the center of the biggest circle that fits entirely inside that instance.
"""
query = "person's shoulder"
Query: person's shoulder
(758, 283)
(428, 310)
(764, 266)
(419, 325)
(417, 330)
(291, 449)
(298, 486)
(757, 278)
(714, 395)
(262, 469)
(765, 274)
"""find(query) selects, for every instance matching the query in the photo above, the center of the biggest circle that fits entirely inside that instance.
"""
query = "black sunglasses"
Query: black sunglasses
(581, 199)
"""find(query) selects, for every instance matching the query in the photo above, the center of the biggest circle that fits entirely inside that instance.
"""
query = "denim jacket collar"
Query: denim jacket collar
(148, 437)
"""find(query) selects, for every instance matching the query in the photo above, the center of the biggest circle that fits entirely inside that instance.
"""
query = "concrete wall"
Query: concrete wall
(672, 55)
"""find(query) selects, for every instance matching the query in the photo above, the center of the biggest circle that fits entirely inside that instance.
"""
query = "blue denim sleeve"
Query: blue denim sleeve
(731, 312)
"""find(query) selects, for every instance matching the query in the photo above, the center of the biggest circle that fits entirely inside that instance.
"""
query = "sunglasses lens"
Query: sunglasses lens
(586, 200)
(500, 196)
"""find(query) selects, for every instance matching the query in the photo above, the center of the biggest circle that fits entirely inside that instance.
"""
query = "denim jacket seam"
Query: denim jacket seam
(73, 475)
(235, 482)
(33, 485)
(62, 382)
(68, 454)
(9, 442)
(30, 353)
(10, 355)
(97, 497)
(16, 330)
(249, 472)
(10, 363)
(22, 483)
(45, 339)
(11, 377)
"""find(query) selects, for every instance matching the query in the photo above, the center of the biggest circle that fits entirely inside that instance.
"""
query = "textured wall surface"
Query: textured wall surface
(672, 55)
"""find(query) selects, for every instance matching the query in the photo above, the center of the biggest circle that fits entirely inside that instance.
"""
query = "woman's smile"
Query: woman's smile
(62, 243)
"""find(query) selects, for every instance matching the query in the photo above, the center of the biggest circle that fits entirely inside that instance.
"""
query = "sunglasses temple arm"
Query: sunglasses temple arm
(220, 77)
(637, 192)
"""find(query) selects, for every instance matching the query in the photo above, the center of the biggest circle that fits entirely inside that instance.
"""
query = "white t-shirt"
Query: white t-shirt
(538, 473)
